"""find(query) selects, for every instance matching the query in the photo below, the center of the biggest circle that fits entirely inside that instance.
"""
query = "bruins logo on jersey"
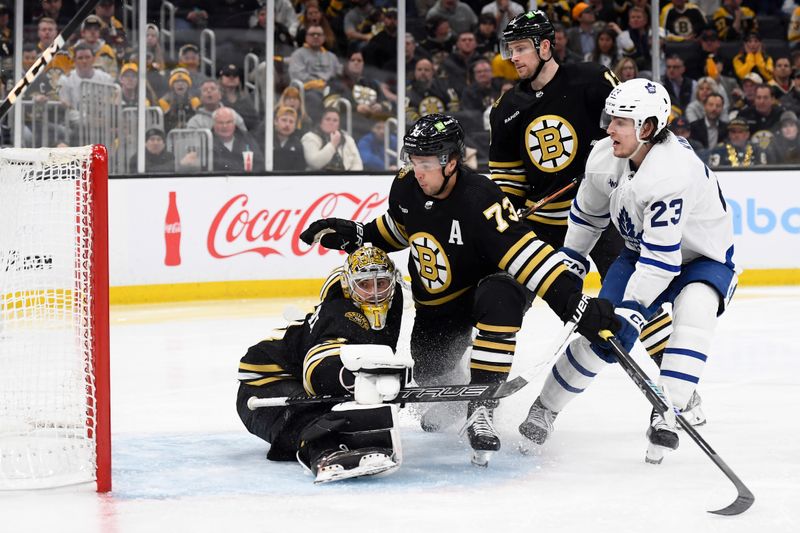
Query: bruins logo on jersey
(431, 262)
(430, 105)
(358, 318)
(552, 143)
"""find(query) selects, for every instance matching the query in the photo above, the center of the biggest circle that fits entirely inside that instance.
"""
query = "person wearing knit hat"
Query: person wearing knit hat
(156, 156)
(737, 151)
(129, 83)
(582, 36)
(784, 148)
(178, 104)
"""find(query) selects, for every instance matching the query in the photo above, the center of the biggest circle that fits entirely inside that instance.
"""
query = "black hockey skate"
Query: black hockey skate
(539, 424)
(662, 437)
(483, 437)
(336, 465)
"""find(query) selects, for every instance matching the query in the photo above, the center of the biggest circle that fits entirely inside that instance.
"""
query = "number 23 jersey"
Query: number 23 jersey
(671, 211)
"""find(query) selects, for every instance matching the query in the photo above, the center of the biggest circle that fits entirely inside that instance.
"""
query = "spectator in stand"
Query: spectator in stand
(753, 58)
(52, 9)
(605, 49)
(6, 38)
(705, 87)
(230, 84)
(178, 105)
(781, 81)
(353, 21)
(502, 11)
(69, 85)
(792, 100)
(426, 94)
(482, 90)
(710, 130)
(785, 146)
(456, 65)
(562, 53)
(372, 150)
(129, 85)
(557, 11)
(461, 16)
(582, 35)
(364, 94)
(105, 56)
(287, 150)
(285, 15)
(626, 69)
(744, 96)
(231, 143)
(381, 50)
(156, 156)
(763, 116)
(313, 17)
(682, 20)
(112, 31)
(189, 59)
(681, 89)
(733, 22)
(440, 38)
(192, 14)
(290, 97)
(737, 151)
(314, 66)
(153, 46)
(635, 41)
(488, 41)
(328, 148)
(413, 54)
(793, 32)
(210, 101)
(61, 63)
(604, 11)
(699, 57)
(680, 127)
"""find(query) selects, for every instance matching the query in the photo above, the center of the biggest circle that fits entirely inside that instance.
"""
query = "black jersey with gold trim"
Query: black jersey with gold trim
(307, 350)
(457, 241)
(540, 139)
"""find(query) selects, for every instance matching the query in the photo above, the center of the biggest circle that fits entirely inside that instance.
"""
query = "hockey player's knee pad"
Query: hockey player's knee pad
(500, 301)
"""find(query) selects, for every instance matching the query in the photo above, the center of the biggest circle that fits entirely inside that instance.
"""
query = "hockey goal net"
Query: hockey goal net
(54, 383)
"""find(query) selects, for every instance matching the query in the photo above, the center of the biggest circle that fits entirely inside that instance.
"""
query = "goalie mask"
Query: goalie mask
(369, 279)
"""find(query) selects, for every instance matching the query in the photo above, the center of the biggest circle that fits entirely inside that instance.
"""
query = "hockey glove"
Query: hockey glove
(335, 233)
(591, 316)
(575, 262)
(379, 372)
(632, 319)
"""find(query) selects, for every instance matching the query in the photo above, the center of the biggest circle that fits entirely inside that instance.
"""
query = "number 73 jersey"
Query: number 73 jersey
(671, 211)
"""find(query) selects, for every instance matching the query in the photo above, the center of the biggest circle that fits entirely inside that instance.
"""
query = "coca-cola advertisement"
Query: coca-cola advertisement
(190, 230)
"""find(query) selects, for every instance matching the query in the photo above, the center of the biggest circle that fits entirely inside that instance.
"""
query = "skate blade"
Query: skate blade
(330, 475)
(481, 457)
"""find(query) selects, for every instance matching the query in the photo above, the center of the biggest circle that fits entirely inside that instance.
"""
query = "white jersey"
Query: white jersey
(670, 211)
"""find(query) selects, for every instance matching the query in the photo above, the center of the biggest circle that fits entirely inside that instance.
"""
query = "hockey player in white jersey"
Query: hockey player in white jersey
(678, 233)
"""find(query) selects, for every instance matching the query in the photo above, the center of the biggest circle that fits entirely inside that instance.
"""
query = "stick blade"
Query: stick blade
(742, 503)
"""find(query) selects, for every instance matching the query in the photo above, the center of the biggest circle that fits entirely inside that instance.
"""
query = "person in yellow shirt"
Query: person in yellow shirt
(753, 58)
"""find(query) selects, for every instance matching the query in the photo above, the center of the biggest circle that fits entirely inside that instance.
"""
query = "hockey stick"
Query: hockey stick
(47, 56)
(745, 498)
(439, 393)
(549, 198)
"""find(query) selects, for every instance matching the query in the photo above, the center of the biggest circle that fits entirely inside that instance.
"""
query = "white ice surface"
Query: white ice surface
(183, 462)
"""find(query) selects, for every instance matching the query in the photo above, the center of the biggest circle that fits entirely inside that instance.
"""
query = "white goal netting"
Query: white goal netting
(48, 385)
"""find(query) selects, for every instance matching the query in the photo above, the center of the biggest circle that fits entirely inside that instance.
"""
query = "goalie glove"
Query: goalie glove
(379, 372)
(575, 262)
(335, 234)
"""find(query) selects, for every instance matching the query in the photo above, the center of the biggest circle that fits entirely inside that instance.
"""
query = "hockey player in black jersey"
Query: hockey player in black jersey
(472, 264)
(344, 346)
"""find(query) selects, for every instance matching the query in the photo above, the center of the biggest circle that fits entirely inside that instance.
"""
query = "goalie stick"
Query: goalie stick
(653, 393)
(440, 393)
(47, 56)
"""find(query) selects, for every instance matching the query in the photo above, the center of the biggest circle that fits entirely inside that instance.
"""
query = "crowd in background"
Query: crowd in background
(735, 92)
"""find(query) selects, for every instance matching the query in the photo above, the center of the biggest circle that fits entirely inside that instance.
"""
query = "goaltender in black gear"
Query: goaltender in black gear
(360, 310)
(472, 264)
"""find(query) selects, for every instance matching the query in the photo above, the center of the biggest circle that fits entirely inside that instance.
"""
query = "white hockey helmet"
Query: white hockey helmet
(640, 99)
(369, 278)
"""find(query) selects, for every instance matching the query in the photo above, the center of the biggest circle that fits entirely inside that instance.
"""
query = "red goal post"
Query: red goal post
(54, 329)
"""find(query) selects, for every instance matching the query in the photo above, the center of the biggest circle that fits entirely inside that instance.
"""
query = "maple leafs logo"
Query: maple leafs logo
(627, 229)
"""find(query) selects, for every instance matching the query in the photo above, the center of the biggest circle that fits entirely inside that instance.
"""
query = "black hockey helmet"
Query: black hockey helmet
(434, 134)
(532, 25)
